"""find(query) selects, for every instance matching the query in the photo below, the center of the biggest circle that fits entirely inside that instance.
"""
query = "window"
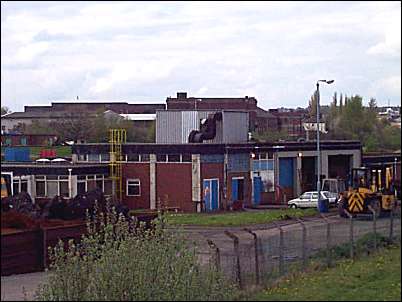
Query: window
(144, 157)
(24, 185)
(186, 158)
(23, 141)
(133, 187)
(81, 157)
(133, 157)
(105, 157)
(40, 186)
(161, 157)
(99, 182)
(81, 187)
(63, 187)
(93, 157)
(174, 158)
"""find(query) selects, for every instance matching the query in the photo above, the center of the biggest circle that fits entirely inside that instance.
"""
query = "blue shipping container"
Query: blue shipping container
(18, 154)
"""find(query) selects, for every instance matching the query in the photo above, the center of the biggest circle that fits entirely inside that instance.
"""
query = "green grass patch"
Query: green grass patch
(237, 218)
(371, 278)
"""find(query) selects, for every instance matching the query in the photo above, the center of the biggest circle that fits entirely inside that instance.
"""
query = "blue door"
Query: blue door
(211, 194)
(286, 172)
(235, 191)
(257, 189)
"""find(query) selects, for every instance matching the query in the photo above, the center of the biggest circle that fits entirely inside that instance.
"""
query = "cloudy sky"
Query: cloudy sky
(147, 51)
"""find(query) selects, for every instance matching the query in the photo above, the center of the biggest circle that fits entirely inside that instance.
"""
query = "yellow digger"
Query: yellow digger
(372, 186)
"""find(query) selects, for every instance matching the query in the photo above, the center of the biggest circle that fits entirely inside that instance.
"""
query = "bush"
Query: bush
(116, 261)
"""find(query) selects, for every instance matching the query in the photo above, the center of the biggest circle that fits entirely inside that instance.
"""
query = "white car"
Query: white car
(310, 200)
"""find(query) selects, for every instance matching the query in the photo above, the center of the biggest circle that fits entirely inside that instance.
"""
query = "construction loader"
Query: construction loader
(374, 186)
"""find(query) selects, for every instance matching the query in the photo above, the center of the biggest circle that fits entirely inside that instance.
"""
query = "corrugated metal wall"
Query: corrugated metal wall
(174, 127)
(168, 127)
(235, 127)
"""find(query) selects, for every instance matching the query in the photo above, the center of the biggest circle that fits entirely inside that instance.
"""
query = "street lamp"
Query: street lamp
(318, 138)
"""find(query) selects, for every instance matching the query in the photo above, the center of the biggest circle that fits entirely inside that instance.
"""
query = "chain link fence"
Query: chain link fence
(253, 257)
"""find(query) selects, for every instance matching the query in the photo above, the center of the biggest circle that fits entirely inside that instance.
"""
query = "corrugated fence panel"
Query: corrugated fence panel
(238, 162)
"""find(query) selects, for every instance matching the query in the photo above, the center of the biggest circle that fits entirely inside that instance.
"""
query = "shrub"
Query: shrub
(117, 261)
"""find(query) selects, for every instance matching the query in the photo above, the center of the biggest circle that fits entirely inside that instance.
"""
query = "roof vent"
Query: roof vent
(182, 95)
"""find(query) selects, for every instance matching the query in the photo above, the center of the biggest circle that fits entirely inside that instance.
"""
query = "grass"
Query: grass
(371, 278)
(237, 218)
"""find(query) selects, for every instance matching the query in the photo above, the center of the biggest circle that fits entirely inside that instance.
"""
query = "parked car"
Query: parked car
(310, 200)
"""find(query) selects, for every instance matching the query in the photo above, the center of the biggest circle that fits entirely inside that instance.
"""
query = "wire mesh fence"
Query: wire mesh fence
(253, 257)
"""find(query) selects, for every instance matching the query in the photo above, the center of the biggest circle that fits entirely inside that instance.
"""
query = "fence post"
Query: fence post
(328, 240)
(304, 240)
(374, 225)
(281, 262)
(391, 224)
(257, 263)
(217, 256)
(236, 250)
(351, 233)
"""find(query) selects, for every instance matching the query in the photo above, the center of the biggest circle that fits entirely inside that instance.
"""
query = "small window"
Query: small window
(105, 157)
(80, 187)
(63, 187)
(24, 185)
(93, 157)
(23, 141)
(40, 188)
(174, 158)
(186, 158)
(133, 187)
(161, 157)
(133, 157)
(81, 177)
(144, 157)
(16, 187)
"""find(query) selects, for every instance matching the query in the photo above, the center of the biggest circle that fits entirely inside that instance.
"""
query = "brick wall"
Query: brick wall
(137, 171)
(173, 183)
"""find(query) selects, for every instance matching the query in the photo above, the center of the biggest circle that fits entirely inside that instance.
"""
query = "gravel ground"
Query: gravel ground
(14, 286)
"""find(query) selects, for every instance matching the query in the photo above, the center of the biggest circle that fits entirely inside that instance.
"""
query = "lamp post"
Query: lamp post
(318, 139)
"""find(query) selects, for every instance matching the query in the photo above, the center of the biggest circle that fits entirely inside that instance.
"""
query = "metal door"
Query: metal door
(211, 194)
(257, 189)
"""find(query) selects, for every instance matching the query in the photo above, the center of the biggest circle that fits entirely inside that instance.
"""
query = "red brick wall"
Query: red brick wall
(214, 170)
(173, 183)
(137, 171)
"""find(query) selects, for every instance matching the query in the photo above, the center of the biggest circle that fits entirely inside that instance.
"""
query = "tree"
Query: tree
(372, 104)
(5, 110)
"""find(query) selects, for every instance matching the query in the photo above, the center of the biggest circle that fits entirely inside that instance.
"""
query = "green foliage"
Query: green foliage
(352, 120)
(117, 262)
(237, 218)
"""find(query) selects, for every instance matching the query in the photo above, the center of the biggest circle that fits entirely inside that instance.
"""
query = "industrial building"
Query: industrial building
(192, 177)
